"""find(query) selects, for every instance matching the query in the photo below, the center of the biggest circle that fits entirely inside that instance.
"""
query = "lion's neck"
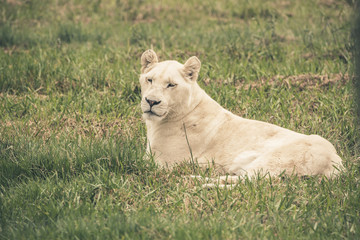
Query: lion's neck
(207, 110)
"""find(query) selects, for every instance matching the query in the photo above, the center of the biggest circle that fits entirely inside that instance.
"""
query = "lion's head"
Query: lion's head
(168, 87)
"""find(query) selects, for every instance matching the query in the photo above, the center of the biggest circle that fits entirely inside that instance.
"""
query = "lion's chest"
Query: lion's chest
(172, 144)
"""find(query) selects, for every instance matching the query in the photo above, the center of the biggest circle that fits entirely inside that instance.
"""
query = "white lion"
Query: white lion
(183, 122)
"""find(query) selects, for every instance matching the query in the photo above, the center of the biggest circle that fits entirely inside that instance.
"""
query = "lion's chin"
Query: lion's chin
(152, 116)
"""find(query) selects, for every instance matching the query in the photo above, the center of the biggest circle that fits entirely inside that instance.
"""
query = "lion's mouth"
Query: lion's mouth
(153, 113)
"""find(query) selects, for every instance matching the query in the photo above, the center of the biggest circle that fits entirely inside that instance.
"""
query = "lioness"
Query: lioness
(183, 122)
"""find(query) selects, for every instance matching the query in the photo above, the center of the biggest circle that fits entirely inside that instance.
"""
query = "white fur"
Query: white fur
(236, 145)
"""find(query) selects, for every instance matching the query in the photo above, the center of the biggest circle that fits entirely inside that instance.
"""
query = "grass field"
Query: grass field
(72, 139)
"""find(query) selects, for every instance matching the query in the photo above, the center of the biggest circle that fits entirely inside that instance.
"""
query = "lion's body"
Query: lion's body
(185, 122)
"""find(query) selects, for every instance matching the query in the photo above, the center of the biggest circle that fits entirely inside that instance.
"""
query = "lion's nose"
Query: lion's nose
(152, 102)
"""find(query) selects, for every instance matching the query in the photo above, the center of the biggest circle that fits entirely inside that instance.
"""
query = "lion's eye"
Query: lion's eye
(149, 80)
(171, 85)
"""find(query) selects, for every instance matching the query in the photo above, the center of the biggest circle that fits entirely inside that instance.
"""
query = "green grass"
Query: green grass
(72, 141)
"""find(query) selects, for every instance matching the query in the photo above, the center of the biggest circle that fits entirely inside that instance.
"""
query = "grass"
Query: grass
(72, 142)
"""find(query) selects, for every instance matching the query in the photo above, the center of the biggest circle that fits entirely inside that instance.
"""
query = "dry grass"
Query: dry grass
(301, 82)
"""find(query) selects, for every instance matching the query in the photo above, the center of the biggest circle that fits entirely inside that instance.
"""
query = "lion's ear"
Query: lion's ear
(192, 68)
(148, 58)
